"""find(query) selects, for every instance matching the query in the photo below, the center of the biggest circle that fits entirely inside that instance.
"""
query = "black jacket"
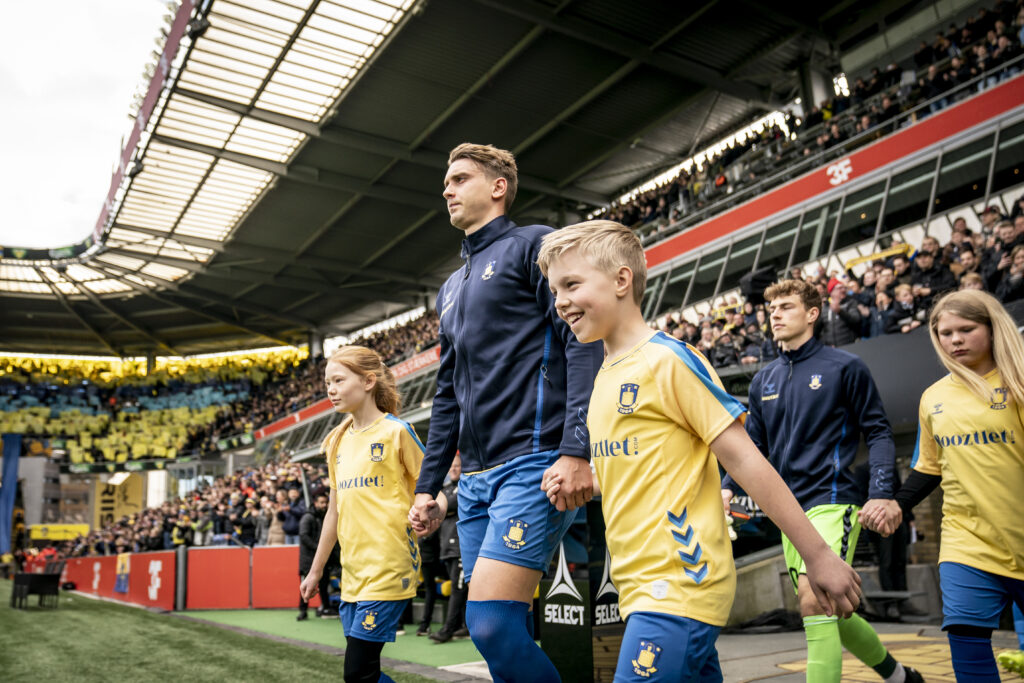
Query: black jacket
(840, 329)
(309, 538)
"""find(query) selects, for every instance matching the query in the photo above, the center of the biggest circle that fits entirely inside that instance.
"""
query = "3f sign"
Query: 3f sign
(155, 566)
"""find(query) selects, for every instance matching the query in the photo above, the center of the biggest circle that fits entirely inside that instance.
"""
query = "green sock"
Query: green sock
(861, 640)
(824, 650)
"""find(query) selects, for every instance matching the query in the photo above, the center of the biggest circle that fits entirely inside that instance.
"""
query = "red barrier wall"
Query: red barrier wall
(152, 578)
(275, 577)
(218, 578)
(94, 575)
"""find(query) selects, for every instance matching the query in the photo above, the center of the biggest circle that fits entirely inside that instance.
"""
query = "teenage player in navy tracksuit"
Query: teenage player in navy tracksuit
(512, 395)
(808, 410)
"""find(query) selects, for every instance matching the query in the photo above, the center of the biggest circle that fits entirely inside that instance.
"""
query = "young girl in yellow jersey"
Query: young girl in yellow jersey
(373, 459)
(971, 439)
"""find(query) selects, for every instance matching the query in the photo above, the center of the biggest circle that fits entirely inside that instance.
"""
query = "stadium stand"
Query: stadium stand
(962, 62)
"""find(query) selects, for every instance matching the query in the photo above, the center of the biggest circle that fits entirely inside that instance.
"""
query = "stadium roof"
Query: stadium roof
(285, 172)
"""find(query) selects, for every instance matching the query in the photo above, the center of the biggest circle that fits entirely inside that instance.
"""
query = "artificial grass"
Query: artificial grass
(408, 647)
(91, 640)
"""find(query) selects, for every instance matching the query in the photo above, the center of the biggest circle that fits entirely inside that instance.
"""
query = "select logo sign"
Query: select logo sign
(563, 602)
(606, 602)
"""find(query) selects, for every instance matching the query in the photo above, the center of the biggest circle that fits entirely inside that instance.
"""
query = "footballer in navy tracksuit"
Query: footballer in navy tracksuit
(808, 410)
(512, 394)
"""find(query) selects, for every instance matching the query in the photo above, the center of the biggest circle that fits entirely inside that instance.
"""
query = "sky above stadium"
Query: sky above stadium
(68, 69)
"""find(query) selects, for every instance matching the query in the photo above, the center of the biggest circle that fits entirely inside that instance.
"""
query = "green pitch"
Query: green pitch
(90, 640)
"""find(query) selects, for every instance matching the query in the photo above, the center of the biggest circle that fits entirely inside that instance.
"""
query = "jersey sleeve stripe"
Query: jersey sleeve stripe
(408, 428)
(917, 448)
(693, 362)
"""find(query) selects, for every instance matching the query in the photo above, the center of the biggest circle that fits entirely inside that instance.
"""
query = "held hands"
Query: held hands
(834, 583)
(308, 587)
(569, 483)
(881, 515)
(726, 499)
(426, 514)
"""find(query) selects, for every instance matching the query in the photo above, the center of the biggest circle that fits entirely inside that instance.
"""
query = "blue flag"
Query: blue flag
(8, 488)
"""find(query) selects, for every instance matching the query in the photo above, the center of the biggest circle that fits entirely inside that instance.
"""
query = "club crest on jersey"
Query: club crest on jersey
(998, 399)
(515, 534)
(937, 409)
(369, 621)
(376, 452)
(815, 382)
(646, 658)
(488, 271)
(627, 398)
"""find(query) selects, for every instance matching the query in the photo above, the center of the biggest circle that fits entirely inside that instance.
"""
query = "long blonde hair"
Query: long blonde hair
(1007, 345)
(364, 362)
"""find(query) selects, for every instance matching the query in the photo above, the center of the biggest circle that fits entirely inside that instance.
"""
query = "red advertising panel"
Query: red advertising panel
(275, 577)
(218, 578)
(94, 575)
(152, 578)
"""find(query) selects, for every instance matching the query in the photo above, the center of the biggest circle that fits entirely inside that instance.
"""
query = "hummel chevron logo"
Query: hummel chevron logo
(698, 575)
(677, 521)
(692, 558)
(684, 538)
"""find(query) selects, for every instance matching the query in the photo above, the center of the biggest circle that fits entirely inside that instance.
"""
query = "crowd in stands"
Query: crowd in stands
(888, 296)
(113, 411)
(987, 43)
(258, 506)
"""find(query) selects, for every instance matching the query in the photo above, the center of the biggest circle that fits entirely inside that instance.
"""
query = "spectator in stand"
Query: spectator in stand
(968, 263)
(998, 256)
(309, 537)
(886, 281)
(929, 279)
(972, 281)
(245, 524)
(906, 316)
(840, 321)
(290, 515)
(878, 317)
(275, 533)
(1011, 287)
(901, 269)
(724, 353)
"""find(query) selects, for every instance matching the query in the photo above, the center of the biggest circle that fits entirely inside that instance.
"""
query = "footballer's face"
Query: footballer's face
(473, 198)
(790, 320)
(347, 390)
(585, 297)
(968, 342)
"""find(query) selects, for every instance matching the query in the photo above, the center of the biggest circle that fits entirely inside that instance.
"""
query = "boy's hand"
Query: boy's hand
(576, 483)
(834, 583)
(726, 499)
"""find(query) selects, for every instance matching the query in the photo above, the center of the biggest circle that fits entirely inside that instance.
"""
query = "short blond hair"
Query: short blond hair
(495, 162)
(606, 244)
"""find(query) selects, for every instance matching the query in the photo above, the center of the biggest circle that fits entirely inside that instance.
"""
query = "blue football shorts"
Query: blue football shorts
(663, 647)
(504, 515)
(374, 620)
(974, 597)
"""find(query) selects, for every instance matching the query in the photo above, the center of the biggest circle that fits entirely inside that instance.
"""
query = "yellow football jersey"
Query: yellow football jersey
(373, 472)
(978, 449)
(653, 412)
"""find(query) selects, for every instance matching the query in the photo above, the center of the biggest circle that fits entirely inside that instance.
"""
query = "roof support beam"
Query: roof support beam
(189, 240)
(380, 145)
(117, 271)
(191, 266)
(71, 309)
(141, 330)
(687, 69)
